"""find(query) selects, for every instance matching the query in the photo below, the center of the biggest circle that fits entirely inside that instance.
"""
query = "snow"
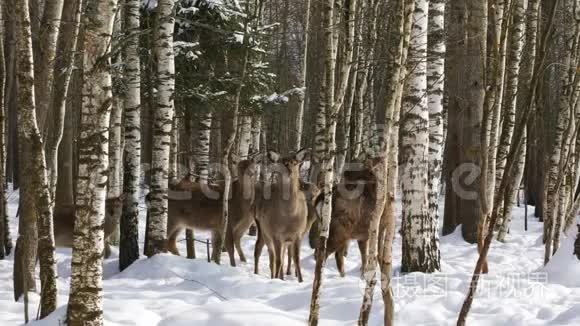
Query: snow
(171, 290)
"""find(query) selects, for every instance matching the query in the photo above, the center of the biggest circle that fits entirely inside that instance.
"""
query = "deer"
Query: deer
(311, 191)
(282, 214)
(64, 217)
(242, 209)
(351, 214)
(199, 206)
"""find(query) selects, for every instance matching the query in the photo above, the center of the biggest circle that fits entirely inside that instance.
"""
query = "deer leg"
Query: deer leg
(172, 242)
(272, 255)
(296, 257)
(289, 266)
(237, 241)
(339, 256)
(107, 252)
(279, 257)
(258, 249)
(230, 246)
(362, 246)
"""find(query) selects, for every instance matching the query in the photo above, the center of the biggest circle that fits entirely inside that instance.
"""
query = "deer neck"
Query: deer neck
(246, 186)
(294, 187)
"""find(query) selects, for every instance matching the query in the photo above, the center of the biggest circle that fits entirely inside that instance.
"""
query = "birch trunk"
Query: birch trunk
(299, 120)
(498, 18)
(36, 179)
(202, 147)
(129, 225)
(63, 68)
(256, 130)
(245, 137)
(420, 240)
(511, 193)
(382, 229)
(5, 240)
(115, 178)
(333, 89)
(173, 149)
(435, 84)
(516, 43)
(44, 68)
(163, 120)
(86, 297)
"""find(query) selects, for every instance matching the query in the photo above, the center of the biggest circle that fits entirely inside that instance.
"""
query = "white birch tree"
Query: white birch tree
(85, 306)
(163, 121)
(420, 240)
(129, 225)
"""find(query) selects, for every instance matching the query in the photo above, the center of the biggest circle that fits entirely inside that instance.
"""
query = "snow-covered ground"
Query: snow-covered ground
(171, 290)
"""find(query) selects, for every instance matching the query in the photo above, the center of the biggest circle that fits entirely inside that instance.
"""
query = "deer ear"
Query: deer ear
(122, 197)
(273, 156)
(302, 154)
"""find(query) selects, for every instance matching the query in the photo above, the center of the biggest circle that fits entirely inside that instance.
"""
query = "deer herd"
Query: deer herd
(284, 209)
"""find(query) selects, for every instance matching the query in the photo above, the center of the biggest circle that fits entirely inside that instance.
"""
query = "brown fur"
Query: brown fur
(64, 217)
(282, 218)
(190, 207)
(351, 217)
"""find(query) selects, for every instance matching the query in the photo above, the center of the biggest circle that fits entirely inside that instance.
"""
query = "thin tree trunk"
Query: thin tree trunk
(163, 120)
(245, 137)
(435, 91)
(115, 179)
(299, 120)
(333, 89)
(85, 305)
(36, 175)
(382, 229)
(129, 225)
(516, 43)
(67, 43)
(420, 240)
(5, 240)
(44, 67)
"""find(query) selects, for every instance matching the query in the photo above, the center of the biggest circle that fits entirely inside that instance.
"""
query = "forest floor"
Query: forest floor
(171, 290)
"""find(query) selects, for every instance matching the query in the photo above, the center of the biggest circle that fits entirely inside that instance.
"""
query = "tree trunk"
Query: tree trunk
(67, 43)
(129, 225)
(85, 305)
(435, 91)
(465, 115)
(516, 38)
(420, 240)
(44, 67)
(36, 173)
(245, 137)
(333, 93)
(163, 120)
(115, 179)
(5, 239)
(299, 119)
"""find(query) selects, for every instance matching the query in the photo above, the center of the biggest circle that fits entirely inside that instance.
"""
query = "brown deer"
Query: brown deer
(351, 214)
(281, 215)
(199, 206)
(64, 217)
(311, 191)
